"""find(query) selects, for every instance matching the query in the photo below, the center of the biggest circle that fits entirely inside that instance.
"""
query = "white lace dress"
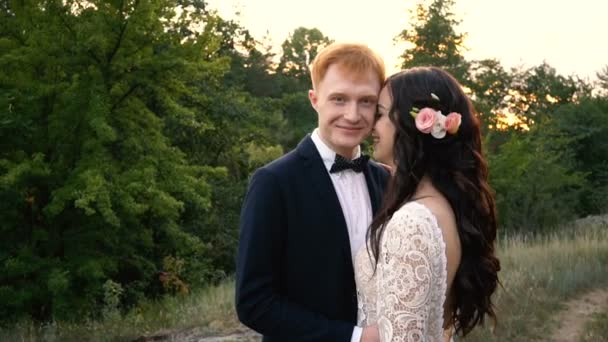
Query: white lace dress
(405, 296)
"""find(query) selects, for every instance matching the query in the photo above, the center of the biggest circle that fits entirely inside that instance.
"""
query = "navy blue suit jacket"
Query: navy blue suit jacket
(295, 278)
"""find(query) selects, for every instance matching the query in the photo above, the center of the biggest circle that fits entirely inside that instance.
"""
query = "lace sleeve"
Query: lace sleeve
(411, 277)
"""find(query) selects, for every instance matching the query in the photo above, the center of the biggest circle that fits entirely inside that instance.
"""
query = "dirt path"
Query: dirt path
(573, 318)
(198, 335)
(571, 322)
(245, 337)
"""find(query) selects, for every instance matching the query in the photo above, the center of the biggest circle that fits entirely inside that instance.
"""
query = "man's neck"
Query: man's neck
(349, 154)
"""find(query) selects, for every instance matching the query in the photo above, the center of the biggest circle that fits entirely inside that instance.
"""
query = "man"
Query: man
(305, 214)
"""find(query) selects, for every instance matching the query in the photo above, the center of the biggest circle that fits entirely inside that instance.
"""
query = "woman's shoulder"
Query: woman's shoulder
(415, 210)
(414, 229)
(441, 210)
(412, 216)
(427, 216)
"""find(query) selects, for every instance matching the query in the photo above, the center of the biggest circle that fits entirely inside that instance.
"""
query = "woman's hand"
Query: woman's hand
(370, 334)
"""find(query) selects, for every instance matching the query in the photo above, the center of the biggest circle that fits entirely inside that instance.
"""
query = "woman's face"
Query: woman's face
(383, 134)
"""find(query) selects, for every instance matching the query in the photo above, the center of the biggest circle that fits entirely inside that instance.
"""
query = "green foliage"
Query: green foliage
(170, 277)
(587, 125)
(538, 91)
(435, 40)
(299, 50)
(539, 274)
(557, 170)
(603, 80)
(91, 188)
(130, 129)
(259, 156)
(535, 179)
(249, 66)
(293, 78)
(300, 119)
(490, 84)
(111, 298)
(538, 148)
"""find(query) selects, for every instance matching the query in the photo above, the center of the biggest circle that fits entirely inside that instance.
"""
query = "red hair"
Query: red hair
(354, 58)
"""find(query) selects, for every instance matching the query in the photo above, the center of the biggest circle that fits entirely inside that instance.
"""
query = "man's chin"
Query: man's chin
(352, 139)
(349, 144)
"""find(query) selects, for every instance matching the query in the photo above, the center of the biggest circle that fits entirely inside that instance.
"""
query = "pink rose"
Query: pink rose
(425, 120)
(452, 122)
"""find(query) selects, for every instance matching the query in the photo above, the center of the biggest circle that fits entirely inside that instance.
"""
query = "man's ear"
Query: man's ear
(312, 96)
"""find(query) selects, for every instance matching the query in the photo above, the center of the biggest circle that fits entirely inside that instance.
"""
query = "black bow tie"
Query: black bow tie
(341, 164)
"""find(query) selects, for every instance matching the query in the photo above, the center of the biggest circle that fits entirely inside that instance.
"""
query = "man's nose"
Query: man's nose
(352, 112)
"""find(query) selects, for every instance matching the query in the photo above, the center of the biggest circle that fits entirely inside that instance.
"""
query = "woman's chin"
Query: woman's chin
(379, 157)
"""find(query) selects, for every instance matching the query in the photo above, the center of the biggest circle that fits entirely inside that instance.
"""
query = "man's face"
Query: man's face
(346, 104)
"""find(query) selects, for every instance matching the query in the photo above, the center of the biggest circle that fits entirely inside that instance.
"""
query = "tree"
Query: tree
(299, 50)
(586, 122)
(490, 85)
(536, 92)
(92, 191)
(536, 180)
(293, 77)
(602, 77)
(251, 65)
(231, 115)
(435, 41)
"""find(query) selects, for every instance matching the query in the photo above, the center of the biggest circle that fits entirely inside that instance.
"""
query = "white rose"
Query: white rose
(439, 131)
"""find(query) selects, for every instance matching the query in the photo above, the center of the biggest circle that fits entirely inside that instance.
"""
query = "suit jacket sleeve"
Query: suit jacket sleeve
(259, 304)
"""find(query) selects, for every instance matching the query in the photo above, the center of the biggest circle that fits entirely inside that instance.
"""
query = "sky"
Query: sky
(572, 36)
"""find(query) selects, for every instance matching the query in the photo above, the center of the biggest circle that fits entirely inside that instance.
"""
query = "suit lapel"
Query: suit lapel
(317, 176)
(374, 189)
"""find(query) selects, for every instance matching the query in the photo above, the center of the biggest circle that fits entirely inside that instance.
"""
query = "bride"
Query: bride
(429, 269)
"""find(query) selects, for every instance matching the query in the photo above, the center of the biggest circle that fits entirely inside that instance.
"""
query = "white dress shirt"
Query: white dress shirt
(353, 195)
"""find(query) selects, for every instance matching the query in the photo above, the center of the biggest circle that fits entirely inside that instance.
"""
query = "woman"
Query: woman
(430, 267)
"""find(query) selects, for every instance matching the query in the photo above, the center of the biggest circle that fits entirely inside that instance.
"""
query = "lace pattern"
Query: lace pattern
(405, 296)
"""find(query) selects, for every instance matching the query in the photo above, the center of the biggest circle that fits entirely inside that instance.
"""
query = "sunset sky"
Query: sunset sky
(571, 36)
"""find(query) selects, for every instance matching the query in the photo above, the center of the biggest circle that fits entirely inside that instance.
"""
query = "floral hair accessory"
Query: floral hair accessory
(429, 120)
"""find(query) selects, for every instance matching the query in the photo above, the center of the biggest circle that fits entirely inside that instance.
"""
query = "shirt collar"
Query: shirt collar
(327, 154)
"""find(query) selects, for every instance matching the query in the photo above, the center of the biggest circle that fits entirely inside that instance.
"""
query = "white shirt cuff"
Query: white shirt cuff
(357, 332)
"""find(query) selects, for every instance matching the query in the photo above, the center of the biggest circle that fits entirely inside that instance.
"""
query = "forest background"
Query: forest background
(129, 129)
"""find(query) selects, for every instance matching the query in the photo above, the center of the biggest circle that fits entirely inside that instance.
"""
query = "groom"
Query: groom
(305, 214)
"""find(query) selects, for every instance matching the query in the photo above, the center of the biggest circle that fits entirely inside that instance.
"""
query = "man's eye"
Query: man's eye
(339, 99)
(367, 102)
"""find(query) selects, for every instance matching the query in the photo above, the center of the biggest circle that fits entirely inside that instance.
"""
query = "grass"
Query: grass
(597, 328)
(538, 275)
(209, 311)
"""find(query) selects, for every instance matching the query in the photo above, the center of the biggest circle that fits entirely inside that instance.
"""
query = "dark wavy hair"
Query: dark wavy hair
(456, 168)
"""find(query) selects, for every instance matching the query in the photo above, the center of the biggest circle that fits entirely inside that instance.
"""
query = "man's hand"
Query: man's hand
(370, 334)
